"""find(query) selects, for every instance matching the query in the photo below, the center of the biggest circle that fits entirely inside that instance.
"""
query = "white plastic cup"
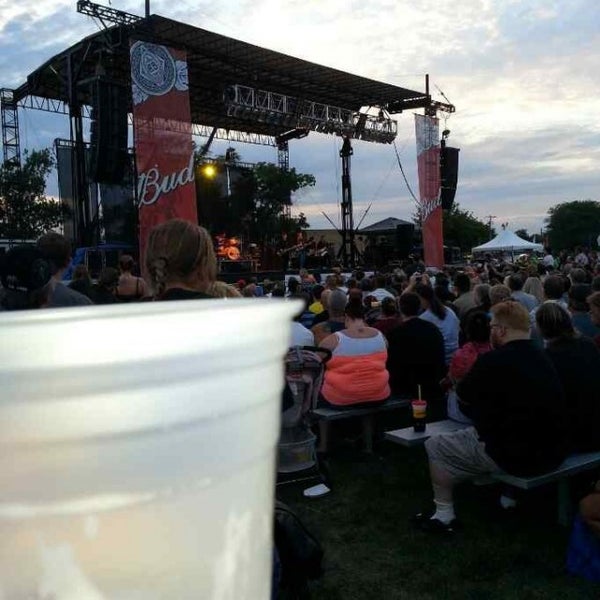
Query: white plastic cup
(137, 448)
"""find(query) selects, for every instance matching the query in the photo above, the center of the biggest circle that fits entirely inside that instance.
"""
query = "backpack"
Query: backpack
(300, 553)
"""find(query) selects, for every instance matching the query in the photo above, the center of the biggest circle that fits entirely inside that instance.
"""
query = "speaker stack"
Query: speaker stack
(108, 131)
(448, 175)
(404, 239)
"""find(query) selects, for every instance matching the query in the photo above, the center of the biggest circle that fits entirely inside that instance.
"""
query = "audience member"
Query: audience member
(389, 317)
(130, 287)
(477, 334)
(81, 282)
(180, 261)
(516, 402)
(577, 362)
(336, 302)
(499, 293)
(105, 290)
(220, 289)
(415, 354)
(323, 316)
(57, 250)
(515, 284)
(26, 279)
(301, 335)
(580, 310)
(356, 373)
(442, 317)
(594, 304)
(465, 297)
(317, 307)
(533, 286)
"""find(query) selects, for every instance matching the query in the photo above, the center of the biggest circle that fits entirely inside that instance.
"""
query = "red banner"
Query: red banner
(162, 127)
(428, 163)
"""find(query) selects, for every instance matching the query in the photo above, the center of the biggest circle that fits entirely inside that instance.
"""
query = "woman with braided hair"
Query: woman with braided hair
(180, 261)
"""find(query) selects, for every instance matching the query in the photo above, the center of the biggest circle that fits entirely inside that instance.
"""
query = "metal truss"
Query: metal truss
(106, 13)
(51, 105)
(59, 107)
(11, 145)
(278, 109)
(242, 137)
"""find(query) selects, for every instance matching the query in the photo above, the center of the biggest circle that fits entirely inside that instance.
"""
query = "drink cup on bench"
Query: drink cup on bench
(138, 449)
(419, 412)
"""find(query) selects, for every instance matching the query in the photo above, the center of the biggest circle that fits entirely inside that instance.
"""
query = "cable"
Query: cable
(403, 174)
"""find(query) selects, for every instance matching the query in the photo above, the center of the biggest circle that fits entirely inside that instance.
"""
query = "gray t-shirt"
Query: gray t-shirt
(61, 295)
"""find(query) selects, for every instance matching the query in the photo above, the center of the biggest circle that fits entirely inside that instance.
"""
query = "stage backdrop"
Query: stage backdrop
(163, 136)
(428, 163)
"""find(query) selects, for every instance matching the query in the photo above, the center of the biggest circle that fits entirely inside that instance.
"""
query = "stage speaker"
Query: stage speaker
(404, 239)
(448, 175)
(108, 131)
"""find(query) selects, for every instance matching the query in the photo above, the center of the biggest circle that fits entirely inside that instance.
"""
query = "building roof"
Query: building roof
(214, 63)
(388, 224)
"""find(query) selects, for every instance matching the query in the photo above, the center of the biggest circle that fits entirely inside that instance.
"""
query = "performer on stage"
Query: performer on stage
(283, 249)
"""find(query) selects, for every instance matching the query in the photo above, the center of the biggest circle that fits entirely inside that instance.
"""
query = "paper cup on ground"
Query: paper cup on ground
(137, 448)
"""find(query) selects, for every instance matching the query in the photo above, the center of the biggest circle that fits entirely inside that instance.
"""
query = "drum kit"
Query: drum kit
(228, 248)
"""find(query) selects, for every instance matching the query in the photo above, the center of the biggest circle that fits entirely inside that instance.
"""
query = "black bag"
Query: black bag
(300, 552)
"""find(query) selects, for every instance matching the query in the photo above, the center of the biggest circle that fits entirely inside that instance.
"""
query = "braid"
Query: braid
(158, 274)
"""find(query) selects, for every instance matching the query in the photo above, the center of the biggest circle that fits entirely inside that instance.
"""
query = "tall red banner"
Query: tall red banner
(428, 163)
(162, 127)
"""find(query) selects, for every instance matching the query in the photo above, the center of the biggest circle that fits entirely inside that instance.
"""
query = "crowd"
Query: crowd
(510, 349)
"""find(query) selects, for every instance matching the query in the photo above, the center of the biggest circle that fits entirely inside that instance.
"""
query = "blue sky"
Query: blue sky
(522, 74)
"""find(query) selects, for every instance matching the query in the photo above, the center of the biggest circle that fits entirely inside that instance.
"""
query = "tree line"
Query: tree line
(254, 200)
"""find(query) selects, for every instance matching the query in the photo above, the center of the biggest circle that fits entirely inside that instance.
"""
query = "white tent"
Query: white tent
(508, 241)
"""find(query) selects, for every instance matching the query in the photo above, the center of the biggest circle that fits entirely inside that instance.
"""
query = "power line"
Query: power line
(403, 174)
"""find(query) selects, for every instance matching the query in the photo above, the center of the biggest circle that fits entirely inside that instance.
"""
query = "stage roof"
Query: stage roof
(215, 62)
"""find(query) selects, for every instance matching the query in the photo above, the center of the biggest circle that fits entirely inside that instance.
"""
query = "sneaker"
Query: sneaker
(316, 491)
(424, 522)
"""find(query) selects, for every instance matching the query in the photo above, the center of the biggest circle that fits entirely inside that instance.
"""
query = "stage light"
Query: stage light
(209, 171)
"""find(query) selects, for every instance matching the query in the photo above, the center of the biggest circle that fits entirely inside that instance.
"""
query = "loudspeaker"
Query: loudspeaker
(108, 131)
(448, 175)
(404, 239)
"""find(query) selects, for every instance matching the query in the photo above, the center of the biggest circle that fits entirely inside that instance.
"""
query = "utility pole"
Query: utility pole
(490, 219)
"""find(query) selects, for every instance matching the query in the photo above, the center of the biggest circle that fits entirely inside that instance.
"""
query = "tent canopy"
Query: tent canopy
(507, 241)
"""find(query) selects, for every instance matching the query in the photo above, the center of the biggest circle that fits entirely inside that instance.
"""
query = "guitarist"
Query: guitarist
(283, 250)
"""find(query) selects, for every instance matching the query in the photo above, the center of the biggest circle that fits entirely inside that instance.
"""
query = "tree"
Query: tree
(249, 199)
(25, 211)
(461, 228)
(571, 224)
(523, 234)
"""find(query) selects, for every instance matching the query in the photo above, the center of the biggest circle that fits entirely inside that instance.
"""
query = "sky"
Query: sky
(523, 75)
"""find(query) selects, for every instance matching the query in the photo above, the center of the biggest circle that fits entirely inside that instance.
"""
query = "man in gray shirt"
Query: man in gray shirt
(57, 250)
(515, 283)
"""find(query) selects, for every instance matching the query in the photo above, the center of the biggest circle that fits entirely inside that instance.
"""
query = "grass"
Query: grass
(372, 552)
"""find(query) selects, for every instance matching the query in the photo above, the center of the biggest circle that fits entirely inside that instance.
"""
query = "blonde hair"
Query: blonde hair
(533, 286)
(499, 293)
(220, 289)
(180, 251)
(512, 315)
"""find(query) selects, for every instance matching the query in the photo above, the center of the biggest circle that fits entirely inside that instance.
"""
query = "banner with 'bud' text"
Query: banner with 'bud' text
(430, 209)
(162, 127)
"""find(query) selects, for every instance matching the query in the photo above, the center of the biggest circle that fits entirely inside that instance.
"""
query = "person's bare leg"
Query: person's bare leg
(443, 486)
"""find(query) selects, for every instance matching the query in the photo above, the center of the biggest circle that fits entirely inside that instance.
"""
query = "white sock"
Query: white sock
(507, 501)
(444, 512)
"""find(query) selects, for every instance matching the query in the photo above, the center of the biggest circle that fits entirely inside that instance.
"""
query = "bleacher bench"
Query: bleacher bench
(367, 415)
(409, 437)
(576, 463)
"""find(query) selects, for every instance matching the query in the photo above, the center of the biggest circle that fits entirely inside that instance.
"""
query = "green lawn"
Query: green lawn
(371, 550)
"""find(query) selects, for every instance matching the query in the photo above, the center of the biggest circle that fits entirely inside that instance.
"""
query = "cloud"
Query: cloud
(521, 74)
